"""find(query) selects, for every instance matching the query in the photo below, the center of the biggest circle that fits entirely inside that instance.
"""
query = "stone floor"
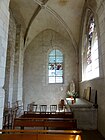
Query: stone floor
(91, 135)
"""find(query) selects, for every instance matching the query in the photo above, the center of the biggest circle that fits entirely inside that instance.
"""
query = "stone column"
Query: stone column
(4, 22)
(10, 61)
(18, 66)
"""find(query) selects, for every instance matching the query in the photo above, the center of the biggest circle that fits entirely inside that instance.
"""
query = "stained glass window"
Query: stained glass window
(90, 52)
(90, 37)
(55, 66)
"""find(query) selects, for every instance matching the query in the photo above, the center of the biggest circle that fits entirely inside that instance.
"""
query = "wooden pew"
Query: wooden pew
(47, 115)
(40, 135)
(9, 117)
(6, 121)
(11, 113)
(55, 123)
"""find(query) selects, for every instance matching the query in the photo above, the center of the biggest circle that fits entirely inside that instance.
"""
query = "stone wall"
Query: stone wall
(10, 60)
(18, 66)
(98, 83)
(14, 63)
(36, 86)
(4, 23)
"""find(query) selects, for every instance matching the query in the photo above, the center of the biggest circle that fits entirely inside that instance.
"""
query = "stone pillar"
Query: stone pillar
(4, 22)
(18, 66)
(10, 61)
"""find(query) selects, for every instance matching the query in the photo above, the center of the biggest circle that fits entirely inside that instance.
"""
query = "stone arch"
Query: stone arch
(58, 18)
(36, 68)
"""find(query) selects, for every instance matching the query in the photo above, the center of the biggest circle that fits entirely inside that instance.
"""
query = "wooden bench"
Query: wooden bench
(55, 123)
(9, 117)
(40, 135)
(10, 113)
(28, 114)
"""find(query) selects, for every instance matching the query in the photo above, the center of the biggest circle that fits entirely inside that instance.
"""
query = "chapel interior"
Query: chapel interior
(52, 52)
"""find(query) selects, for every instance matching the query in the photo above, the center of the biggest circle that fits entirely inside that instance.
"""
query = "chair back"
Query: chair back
(30, 107)
(53, 108)
(43, 108)
(34, 107)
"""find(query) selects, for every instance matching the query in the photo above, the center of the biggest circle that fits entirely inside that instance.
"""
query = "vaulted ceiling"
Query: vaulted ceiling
(63, 16)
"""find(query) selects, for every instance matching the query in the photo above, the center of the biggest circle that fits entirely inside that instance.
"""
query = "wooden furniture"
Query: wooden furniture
(61, 105)
(32, 107)
(28, 114)
(10, 113)
(29, 107)
(43, 108)
(53, 108)
(8, 118)
(40, 135)
(53, 123)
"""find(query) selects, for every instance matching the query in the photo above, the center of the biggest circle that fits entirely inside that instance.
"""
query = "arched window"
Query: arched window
(55, 66)
(90, 58)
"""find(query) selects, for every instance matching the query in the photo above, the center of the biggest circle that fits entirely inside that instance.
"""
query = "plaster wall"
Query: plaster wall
(35, 83)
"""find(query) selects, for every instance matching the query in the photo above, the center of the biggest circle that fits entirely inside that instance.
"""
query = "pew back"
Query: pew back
(28, 114)
(40, 135)
(58, 123)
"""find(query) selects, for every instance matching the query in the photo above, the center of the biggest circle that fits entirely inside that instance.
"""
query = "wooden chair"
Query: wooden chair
(53, 108)
(8, 118)
(13, 115)
(19, 107)
(6, 121)
(30, 107)
(61, 105)
(34, 107)
(43, 108)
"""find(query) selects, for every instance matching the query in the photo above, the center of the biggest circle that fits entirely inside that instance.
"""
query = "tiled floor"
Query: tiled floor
(92, 135)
